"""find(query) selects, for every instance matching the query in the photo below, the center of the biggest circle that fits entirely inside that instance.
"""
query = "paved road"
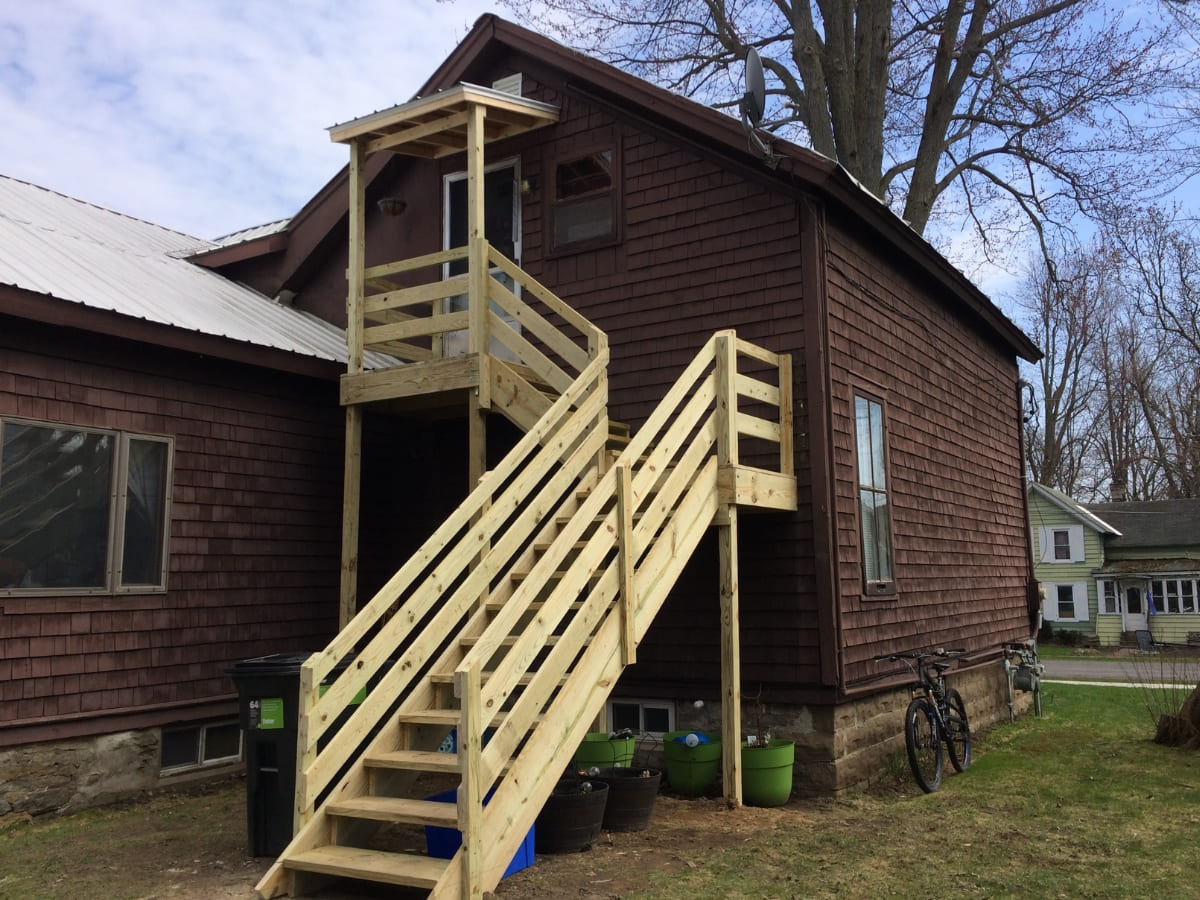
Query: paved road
(1155, 669)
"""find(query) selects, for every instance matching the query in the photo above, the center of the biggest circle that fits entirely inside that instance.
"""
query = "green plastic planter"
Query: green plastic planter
(690, 770)
(597, 751)
(767, 773)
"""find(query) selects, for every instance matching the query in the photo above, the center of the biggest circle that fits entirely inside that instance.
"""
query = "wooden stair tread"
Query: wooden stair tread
(405, 869)
(396, 809)
(443, 678)
(496, 605)
(431, 717)
(509, 641)
(414, 760)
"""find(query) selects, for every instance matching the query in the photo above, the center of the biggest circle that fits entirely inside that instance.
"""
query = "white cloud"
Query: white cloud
(205, 116)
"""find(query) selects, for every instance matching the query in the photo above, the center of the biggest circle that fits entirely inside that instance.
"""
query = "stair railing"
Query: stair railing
(390, 642)
(612, 565)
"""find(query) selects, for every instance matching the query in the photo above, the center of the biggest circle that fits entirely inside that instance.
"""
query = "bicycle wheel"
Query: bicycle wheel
(923, 744)
(1037, 699)
(958, 732)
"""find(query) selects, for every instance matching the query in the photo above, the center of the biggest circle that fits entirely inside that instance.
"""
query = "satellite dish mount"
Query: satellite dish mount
(754, 105)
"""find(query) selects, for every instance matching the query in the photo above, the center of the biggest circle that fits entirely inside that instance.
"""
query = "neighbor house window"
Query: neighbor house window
(1109, 604)
(1061, 545)
(584, 200)
(82, 510)
(1175, 595)
(653, 717)
(1066, 602)
(197, 746)
(874, 509)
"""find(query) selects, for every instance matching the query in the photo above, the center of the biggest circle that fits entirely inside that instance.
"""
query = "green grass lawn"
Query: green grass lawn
(1079, 803)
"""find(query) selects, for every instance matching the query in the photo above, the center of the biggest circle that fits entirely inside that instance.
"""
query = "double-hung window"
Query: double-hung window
(874, 508)
(82, 510)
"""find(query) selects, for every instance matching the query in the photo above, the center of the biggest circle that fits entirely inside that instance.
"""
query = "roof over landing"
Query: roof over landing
(58, 247)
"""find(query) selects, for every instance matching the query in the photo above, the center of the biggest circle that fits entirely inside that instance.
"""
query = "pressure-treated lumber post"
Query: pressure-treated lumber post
(351, 497)
(351, 484)
(726, 356)
(477, 252)
(787, 454)
(303, 805)
(731, 663)
(477, 302)
(625, 564)
(468, 685)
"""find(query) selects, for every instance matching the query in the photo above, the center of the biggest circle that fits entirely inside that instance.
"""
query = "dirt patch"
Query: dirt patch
(192, 846)
(683, 833)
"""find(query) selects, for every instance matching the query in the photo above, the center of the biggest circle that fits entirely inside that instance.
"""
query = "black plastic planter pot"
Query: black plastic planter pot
(631, 794)
(572, 817)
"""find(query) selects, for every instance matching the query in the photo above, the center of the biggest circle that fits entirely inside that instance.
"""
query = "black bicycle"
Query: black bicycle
(936, 714)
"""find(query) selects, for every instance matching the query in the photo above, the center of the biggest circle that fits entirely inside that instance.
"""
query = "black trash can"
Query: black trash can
(269, 701)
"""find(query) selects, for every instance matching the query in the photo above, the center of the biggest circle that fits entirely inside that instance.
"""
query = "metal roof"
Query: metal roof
(65, 248)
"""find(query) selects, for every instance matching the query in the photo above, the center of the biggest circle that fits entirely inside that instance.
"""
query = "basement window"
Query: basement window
(584, 200)
(200, 746)
(653, 717)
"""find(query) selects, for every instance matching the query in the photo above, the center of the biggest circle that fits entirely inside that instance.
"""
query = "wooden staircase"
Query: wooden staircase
(512, 624)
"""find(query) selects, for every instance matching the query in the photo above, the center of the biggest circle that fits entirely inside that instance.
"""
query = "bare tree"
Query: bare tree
(1161, 278)
(977, 106)
(1066, 304)
(1125, 450)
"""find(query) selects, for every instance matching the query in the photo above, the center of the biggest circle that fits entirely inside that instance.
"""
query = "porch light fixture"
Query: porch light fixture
(391, 206)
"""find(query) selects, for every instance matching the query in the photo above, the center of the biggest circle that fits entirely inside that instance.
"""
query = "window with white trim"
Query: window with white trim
(1175, 596)
(1066, 602)
(653, 717)
(1061, 545)
(82, 510)
(1110, 604)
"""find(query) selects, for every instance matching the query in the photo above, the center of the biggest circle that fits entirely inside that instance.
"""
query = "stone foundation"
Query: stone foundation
(66, 776)
(846, 746)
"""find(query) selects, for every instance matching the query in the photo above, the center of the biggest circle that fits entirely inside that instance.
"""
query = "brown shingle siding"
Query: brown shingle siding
(255, 531)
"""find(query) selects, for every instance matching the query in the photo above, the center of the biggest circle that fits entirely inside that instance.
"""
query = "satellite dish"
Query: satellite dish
(754, 101)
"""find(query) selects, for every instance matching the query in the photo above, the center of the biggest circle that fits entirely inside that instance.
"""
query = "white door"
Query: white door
(1135, 608)
(502, 228)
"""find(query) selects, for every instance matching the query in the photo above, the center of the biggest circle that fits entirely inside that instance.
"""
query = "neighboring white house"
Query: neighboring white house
(1113, 568)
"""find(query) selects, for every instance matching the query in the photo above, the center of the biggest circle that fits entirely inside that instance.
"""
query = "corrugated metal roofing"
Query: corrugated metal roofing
(56, 245)
(250, 234)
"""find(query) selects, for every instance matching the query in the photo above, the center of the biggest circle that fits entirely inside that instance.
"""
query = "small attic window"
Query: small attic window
(584, 210)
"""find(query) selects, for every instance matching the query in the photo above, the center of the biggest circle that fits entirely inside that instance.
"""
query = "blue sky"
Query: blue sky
(207, 116)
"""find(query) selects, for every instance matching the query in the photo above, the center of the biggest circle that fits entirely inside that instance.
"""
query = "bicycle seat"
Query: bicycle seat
(940, 666)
